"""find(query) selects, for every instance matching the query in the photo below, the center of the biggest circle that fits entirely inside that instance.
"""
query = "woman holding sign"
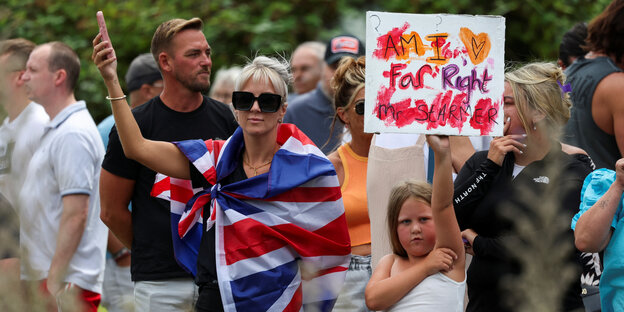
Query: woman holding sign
(265, 193)
(350, 161)
(515, 201)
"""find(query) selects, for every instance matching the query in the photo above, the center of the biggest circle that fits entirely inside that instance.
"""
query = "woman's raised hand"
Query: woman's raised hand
(104, 58)
(500, 146)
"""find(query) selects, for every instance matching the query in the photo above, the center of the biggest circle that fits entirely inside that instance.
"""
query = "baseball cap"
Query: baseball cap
(343, 45)
(142, 70)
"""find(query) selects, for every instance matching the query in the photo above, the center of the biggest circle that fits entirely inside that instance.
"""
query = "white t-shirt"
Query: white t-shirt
(18, 141)
(516, 170)
(67, 162)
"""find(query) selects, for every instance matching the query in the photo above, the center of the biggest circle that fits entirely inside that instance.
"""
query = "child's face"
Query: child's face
(416, 229)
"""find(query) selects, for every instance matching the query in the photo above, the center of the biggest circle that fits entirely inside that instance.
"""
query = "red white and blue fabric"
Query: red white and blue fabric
(282, 242)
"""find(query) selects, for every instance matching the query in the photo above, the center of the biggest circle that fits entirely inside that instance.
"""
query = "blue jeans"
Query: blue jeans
(351, 297)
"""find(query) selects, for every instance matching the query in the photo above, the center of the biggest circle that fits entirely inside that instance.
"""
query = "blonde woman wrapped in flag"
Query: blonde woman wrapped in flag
(274, 235)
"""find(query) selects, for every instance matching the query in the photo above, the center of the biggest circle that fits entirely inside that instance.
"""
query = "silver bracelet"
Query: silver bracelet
(115, 98)
(121, 253)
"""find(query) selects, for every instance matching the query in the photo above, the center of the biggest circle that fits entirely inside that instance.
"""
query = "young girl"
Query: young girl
(426, 270)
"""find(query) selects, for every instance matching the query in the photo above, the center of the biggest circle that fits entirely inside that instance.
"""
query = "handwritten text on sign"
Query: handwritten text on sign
(434, 73)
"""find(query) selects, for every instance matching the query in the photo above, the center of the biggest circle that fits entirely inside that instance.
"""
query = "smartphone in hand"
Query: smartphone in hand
(103, 30)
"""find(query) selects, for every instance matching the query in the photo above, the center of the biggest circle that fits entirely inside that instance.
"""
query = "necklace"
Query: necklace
(255, 169)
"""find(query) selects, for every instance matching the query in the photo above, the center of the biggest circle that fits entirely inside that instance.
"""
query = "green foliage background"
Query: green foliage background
(238, 29)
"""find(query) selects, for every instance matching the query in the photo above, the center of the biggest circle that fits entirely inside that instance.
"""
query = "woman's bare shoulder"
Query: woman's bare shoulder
(334, 157)
(337, 162)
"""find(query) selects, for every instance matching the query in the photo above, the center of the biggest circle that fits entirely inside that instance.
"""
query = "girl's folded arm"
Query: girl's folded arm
(384, 290)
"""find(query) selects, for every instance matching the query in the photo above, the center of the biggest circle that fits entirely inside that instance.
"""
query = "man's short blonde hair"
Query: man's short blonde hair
(167, 30)
(18, 51)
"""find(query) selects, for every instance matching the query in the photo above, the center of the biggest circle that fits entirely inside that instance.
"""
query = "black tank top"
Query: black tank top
(581, 130)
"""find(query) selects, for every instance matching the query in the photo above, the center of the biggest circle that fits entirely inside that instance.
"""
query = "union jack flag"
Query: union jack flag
(282, 242)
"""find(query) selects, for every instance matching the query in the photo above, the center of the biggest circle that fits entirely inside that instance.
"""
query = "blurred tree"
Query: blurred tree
(239, 29)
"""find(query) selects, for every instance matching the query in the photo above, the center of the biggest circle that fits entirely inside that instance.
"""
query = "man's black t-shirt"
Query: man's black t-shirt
(152, 249)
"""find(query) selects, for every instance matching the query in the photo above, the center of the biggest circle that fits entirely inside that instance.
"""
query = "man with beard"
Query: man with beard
(180, 112)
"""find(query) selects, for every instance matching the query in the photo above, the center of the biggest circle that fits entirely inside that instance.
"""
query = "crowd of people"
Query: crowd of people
(267, 194)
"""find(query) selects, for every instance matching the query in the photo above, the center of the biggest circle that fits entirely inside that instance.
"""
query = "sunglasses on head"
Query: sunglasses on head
(268, 102)
(359, 107)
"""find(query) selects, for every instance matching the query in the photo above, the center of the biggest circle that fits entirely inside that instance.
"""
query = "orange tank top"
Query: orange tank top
(354, 195)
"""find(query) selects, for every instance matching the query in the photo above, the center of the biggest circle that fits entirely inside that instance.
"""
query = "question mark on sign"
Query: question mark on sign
(439, 22)
(378, 22)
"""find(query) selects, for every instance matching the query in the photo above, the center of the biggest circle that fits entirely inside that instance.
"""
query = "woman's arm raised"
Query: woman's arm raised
(163, 157)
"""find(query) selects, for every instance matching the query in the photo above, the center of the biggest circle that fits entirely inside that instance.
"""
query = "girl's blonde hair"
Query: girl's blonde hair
(400, 193)
(539, 87)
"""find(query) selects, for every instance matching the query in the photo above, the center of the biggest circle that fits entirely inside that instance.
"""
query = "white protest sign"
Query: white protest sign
(434, 73)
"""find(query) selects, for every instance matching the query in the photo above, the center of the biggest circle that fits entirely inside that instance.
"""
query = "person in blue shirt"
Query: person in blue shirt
(599, 226)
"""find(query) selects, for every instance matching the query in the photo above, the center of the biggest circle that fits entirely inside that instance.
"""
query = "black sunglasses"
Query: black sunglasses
(359, 107)
(268, 102)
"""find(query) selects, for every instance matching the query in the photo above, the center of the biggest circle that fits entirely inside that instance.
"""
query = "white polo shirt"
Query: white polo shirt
(67, 162)
(18, 141)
